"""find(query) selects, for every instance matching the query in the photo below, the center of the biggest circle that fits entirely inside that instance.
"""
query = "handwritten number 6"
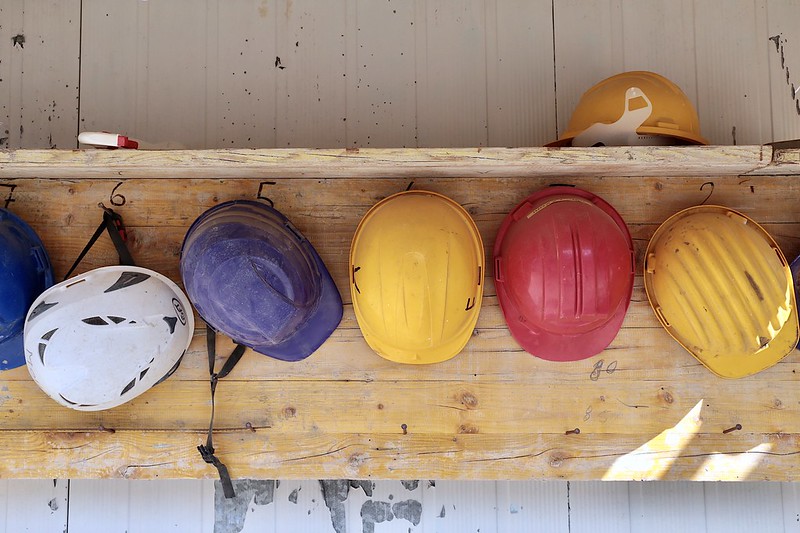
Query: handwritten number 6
(117, 199)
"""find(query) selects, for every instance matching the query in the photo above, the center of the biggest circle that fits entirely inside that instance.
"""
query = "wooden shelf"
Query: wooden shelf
(646, 409)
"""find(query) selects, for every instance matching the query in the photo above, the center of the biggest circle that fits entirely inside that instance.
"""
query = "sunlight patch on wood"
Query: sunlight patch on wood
(654, 458)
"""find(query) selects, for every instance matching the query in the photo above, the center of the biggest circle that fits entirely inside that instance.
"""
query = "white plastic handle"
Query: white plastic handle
(98, 138)
(101, 138)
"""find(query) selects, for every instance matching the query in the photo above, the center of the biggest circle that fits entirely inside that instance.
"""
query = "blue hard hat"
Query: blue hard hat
(253, 276)
(25, 272)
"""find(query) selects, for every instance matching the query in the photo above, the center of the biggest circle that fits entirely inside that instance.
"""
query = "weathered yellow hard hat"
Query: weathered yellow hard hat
(722, 288)
(416, 277)
(633, 108)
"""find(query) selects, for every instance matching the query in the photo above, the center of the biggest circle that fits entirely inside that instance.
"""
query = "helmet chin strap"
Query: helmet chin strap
(623, 131)
(112, 222)
(116, 230)
(207, 450)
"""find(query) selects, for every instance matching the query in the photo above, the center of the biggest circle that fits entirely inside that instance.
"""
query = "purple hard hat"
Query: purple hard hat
(253, 276)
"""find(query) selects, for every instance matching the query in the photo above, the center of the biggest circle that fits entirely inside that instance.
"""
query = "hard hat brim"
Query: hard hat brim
(686, 137)
(318, 326)
(565, 348)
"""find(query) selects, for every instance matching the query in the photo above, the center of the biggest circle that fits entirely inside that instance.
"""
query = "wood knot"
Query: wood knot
(356, 460)
(467, 428)
(777, 404)
(468, 400)
(667, 397)
(556, 461)
(289, 412)
(659, 186)
(380, 406)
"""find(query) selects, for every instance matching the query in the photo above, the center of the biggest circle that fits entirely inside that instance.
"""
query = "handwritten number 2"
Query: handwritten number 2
(709, 184)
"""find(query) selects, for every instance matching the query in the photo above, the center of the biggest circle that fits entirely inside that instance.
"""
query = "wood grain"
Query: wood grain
(156, 454)
(397, 163)
(611, 405)
(645, 408)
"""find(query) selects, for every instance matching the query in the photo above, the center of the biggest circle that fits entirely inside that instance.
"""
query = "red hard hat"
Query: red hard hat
(563, 269)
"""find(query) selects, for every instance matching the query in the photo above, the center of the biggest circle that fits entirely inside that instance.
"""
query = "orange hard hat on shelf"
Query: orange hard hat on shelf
(633, 108)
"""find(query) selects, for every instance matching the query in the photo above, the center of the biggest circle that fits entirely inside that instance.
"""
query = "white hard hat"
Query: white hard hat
(100, 339)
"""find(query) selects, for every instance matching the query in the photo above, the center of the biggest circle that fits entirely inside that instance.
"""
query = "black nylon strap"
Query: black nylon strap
(116, 230)
(207, 450)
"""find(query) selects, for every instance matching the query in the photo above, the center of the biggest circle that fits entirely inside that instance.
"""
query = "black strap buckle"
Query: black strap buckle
(112, 222)
(116, 220)
(207, 453)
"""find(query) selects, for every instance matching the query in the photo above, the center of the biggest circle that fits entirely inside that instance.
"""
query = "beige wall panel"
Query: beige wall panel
(144, 70)
(39, 65)
(381, 76)
(783, 28)
(588, 48)
(451, 74)
(519, 61)
(310, 102)
(241, 72)
(732, 50)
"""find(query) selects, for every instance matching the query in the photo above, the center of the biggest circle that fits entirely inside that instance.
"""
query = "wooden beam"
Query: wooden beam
(374, 162)
(173, 454)
(645, 407)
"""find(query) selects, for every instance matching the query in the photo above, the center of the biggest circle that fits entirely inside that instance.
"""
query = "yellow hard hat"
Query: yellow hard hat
(722, 288)
(416, 277)
(633, 108)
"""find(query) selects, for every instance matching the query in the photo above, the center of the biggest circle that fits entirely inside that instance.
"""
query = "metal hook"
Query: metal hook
(261, 187)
